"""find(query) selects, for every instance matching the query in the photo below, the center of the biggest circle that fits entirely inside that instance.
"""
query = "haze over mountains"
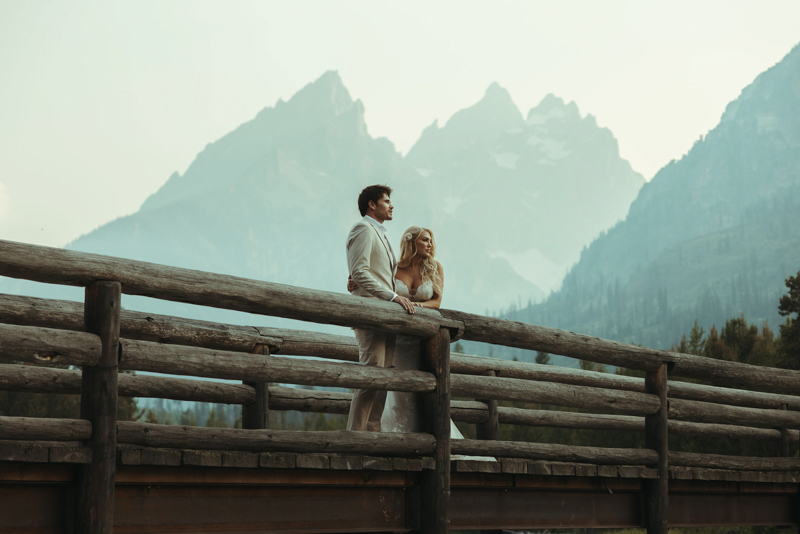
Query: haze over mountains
(713, 235)
(511, 200)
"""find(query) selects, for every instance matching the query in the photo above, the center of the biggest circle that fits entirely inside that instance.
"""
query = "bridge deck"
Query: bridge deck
(168, 490)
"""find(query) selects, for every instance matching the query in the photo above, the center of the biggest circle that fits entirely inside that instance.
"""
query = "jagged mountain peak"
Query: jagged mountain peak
(479, 124)
(553, 107)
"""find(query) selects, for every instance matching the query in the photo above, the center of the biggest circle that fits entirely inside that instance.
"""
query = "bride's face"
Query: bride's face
(424, 245)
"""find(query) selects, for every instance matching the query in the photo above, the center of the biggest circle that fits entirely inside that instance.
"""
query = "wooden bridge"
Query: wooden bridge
(96, 474)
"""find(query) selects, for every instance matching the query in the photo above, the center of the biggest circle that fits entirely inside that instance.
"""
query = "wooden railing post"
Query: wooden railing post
(783, 444)
(435, 490)
(490, 430)
(256, 416)
(95, 509)
(656, 438)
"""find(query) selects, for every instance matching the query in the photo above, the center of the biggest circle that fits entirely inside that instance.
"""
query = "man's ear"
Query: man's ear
(372, 205)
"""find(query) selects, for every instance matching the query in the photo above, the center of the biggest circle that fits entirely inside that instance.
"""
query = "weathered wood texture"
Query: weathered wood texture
(478, 365)
(619, 401)
(256, 415)
(735, 415)
(175, 330)
(196, 361)
(65, 452)
(553, 452)
(59, 266)
(43, 428)
(230, 439)
(656, 438)
(435, 484)
(532, 337)
(306, 400)
(94, 512)
(491, 428)
(720, 461)
(50, 265)
(49, 346)
(35, 379)
(68, 315)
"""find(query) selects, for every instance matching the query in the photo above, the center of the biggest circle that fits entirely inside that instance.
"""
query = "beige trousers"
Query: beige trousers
(377, 349)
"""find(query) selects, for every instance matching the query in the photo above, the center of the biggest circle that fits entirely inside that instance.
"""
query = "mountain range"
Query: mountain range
(712, 236)
(511, 200)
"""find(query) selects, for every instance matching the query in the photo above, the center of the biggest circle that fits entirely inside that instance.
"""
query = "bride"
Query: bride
(420, 278)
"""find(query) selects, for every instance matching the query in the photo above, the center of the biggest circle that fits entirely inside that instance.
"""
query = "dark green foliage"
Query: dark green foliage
(542, 358)
(789, 346)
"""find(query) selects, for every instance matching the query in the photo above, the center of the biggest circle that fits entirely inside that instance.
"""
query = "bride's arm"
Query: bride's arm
(437, 301)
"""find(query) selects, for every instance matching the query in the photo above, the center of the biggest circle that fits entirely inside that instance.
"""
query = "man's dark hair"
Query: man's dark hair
(373, 193)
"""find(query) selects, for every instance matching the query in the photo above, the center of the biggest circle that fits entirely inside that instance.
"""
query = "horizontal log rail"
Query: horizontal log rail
(67, 267)
(34, 379)
(52, 265)
(554, 452)
(68, 315)
(196, 361)
(745, 401)
(44, 429)
(230, 439)
(618, 401)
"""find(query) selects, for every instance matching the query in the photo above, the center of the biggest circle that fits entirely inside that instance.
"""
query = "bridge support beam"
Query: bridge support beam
(435, 490)
(94, 513)
(656, 438)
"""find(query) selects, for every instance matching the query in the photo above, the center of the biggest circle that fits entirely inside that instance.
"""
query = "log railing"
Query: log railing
(101, 338)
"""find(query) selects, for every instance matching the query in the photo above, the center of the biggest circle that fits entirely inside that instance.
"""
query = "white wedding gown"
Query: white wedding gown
(402, 411)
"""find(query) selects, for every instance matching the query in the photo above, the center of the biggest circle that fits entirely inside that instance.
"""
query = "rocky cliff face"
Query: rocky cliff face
(714, 234)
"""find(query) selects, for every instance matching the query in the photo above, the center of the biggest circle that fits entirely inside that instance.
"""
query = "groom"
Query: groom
(372, 265)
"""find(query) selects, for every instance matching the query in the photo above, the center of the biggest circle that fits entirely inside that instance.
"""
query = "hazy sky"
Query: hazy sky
(101, 101)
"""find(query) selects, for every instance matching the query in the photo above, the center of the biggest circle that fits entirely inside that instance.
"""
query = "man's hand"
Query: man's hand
(351, 284)
(405, 303)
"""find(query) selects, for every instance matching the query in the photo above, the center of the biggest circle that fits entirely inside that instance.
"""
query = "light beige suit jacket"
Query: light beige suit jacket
(371, 261)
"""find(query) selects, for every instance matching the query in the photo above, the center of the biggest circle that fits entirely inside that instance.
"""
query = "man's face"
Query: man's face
(383, 209)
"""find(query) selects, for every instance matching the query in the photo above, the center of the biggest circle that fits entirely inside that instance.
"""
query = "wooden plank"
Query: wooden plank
(94, 512)
(43, 428)
(231, 439)
(196, 361)
(49, 346)
(59, 266)
(656, 438)
(435, 483)
(745, 463)
(554, 452)
(202, 458)
(485, 387)
(24, 451)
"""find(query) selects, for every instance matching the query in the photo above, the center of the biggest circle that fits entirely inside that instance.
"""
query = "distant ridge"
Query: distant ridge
(511, 203)
(713, 235)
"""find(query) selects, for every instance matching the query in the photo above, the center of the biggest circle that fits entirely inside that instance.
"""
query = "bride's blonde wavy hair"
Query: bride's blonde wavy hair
(428, 268)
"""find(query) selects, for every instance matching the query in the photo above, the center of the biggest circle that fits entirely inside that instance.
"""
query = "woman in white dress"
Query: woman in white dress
(420, 278)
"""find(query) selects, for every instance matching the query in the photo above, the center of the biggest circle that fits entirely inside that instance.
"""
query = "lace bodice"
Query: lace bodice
(424, 292)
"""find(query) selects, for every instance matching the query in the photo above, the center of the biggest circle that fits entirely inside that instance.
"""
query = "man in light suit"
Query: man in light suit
(372, 264)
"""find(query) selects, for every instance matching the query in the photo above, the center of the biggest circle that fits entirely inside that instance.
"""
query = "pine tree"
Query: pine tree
(789, 346)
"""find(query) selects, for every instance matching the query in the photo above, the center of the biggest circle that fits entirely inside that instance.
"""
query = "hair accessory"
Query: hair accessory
(407, 236)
